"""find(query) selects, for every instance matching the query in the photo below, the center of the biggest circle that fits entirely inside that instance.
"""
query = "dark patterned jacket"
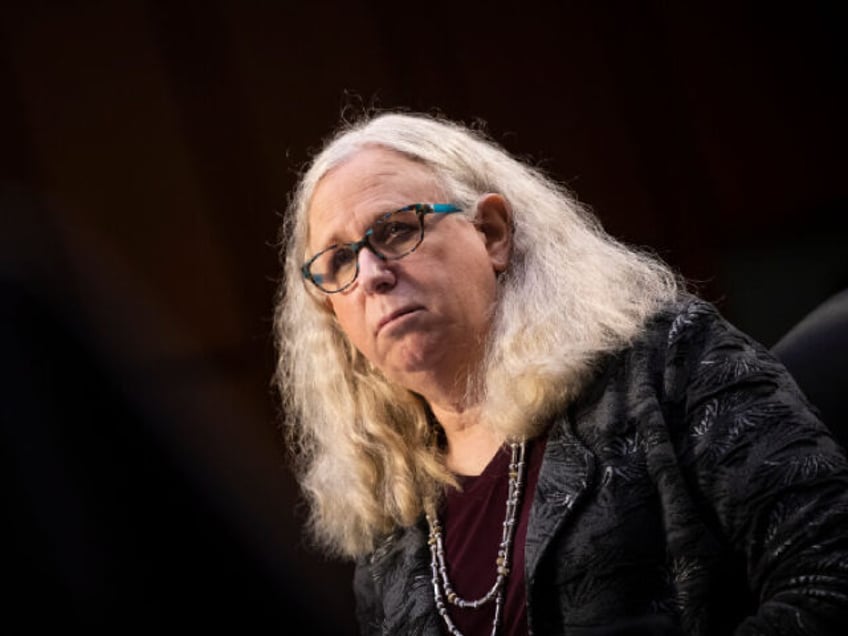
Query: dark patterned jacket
(691, 490)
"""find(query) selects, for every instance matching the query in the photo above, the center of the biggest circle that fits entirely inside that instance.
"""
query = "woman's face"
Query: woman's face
(423, 319)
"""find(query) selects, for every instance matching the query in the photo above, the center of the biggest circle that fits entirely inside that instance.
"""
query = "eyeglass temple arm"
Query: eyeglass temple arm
(445, 208)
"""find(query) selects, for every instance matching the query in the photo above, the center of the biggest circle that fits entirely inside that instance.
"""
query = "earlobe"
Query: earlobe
(494, 221)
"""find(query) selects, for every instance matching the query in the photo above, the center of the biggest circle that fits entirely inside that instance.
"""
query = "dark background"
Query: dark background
(148, 148)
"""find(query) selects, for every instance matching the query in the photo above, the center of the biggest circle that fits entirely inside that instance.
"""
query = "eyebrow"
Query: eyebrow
(333, 239)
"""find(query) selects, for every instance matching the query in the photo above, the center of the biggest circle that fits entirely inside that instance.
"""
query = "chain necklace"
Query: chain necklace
(442, 588)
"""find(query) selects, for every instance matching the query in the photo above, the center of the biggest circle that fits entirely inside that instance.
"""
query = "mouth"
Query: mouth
(395, 315)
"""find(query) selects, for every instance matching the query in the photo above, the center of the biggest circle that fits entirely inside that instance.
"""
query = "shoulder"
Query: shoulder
(720, 399)
(690, 323)
(690, 348)
(688, 377)
(392, 586)
(666, 354)
(394, 553)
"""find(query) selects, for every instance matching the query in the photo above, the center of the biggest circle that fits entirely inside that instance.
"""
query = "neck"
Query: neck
(456, 405)
(470, 443)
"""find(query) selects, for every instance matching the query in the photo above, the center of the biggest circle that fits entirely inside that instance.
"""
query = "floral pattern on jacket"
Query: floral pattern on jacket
(691, 490)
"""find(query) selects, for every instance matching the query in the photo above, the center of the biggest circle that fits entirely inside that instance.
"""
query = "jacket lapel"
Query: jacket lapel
(566, 474)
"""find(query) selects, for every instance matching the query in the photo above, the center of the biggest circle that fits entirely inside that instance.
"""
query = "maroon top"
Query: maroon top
(473, 526)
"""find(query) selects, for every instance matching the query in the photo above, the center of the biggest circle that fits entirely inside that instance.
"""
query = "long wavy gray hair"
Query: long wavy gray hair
(366, 454)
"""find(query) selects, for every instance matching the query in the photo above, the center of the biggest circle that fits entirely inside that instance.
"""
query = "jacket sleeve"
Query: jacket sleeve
(768, 470)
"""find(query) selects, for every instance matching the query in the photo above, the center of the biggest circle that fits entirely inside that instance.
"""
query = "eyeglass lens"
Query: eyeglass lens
(393, 236)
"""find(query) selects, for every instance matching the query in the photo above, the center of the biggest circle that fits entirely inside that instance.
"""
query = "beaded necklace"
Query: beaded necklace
(442, 588)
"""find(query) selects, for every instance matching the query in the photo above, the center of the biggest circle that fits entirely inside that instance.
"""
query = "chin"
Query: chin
(414, 361)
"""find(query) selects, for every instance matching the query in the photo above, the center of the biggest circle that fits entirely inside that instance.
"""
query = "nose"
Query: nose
(375, 274)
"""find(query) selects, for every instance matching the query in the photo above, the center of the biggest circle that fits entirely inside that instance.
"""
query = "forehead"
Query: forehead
(373, 181)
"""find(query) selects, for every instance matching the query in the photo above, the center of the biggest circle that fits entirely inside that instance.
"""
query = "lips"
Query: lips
(397, 313)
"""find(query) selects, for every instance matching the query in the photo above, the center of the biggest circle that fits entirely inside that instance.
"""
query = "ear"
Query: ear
(494, 222)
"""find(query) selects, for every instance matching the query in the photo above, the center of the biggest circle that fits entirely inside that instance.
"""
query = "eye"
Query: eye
(399, 229)
(395, 230)
(342, 257)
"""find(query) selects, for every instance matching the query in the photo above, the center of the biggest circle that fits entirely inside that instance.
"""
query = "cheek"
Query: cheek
(480, 303)
(476, 287)
(351, 319)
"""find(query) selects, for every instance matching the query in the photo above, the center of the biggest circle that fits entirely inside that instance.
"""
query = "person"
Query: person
(516, 424)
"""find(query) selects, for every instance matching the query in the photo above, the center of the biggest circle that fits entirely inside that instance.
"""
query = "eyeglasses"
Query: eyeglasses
(392, 236)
